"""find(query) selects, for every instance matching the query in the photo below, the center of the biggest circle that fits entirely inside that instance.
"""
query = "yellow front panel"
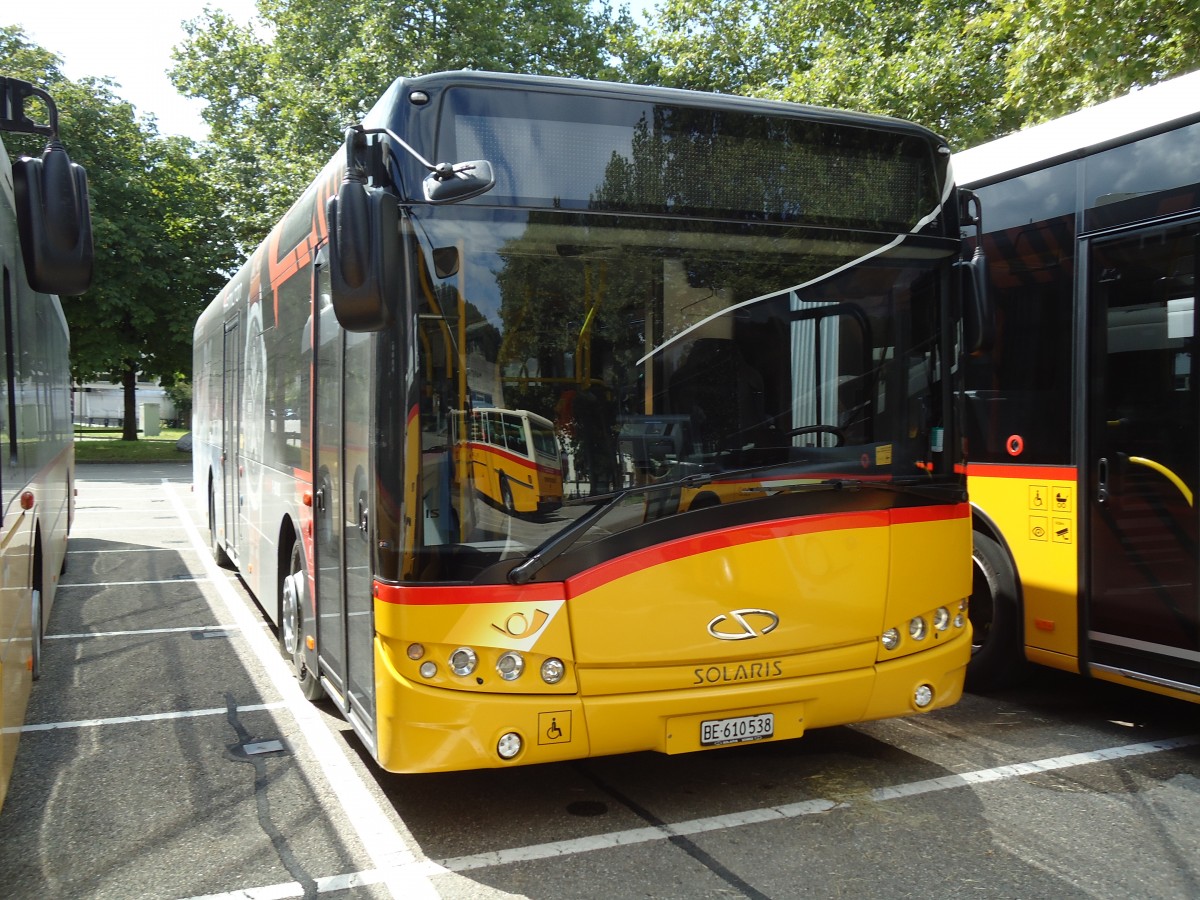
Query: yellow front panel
(720, 626)
(1038, 517)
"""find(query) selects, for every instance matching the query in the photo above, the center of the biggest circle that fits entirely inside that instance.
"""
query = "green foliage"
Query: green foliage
(282, 89)
(969, 69)
(162, 244)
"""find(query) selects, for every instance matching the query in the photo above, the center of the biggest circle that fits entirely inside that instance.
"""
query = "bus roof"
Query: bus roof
(1136, 114)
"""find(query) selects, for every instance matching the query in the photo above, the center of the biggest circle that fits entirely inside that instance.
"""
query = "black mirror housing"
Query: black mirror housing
(54, 222)
(364, 256)
(461, 181)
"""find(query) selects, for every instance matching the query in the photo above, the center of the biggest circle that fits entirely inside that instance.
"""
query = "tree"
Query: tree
(969, 69)
(282, 90)
(162, 245)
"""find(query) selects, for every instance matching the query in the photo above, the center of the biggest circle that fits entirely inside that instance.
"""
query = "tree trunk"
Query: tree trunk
(129, 382)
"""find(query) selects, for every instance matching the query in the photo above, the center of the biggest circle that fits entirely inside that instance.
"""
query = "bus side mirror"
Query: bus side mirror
(55, 224)
(449, 183)
(979, 319)
(364, 255)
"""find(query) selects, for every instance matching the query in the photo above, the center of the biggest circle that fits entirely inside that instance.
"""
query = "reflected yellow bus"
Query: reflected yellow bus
(514, 459)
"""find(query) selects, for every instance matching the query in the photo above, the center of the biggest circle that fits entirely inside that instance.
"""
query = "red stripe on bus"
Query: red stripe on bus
(1029, 473)
(663, 553)
(447, 595)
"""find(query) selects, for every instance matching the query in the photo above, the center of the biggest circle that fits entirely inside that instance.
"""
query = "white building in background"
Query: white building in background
(103, 403)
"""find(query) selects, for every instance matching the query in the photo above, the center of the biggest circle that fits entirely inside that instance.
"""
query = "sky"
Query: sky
(130, 41)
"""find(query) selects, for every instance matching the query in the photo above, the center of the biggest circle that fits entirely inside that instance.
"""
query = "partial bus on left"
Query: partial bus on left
(45, 250)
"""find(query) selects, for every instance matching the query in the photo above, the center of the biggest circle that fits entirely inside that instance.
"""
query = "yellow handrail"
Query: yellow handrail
(1166, 473)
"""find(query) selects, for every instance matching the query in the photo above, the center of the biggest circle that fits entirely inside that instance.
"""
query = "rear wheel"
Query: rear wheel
(36, 636)
(997, 653)
(293, 610)
(214, 543)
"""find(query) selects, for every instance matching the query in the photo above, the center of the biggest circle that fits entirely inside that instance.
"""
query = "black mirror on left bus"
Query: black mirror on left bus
(364, 255)
(50, 196)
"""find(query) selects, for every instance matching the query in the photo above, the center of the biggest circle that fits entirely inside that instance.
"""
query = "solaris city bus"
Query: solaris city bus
(757, 299)
(1083, 422)
(45, 249)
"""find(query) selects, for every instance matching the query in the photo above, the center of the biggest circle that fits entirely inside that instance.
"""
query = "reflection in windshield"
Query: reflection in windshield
(563, 360)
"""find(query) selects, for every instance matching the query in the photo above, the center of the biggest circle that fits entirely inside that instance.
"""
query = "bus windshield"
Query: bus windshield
(649, 350)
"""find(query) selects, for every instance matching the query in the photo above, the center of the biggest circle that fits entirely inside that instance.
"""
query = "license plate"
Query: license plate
(737, 730)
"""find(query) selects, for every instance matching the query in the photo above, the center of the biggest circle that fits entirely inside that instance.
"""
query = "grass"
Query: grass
(111, 449)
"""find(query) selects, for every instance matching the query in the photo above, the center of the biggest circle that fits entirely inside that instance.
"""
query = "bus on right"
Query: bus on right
(1082, 421)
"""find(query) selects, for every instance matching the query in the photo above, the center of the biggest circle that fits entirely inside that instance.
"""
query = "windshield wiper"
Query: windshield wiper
(552, 549)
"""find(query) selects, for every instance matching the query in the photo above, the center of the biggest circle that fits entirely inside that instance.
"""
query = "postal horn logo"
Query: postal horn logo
(743, 624)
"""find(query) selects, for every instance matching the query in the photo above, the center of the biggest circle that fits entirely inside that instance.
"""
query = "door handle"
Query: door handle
(1102, 480)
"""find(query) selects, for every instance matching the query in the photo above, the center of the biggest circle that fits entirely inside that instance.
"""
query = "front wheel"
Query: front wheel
(997, 645)
(293, 607)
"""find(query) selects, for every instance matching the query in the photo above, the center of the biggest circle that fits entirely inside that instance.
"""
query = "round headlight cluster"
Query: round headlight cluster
(510, 665)
(917, 629)
(891, 638)
(463, 661)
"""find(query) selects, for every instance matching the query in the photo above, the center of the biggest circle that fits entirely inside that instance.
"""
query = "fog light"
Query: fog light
(959, 621)
(891, 639)
(941, 618)
(510, 665)
(923, 696)
(917, 628)
(463, 661)
(553, 671)
(416, 651)
(509, 745)
(428, 669)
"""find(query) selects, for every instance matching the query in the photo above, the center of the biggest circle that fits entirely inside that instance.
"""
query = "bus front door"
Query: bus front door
(345, 621)
(1142, 610)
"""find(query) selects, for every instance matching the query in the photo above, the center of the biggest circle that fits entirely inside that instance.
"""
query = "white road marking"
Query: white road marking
(189, 629)
(189, 579)
(149, 717)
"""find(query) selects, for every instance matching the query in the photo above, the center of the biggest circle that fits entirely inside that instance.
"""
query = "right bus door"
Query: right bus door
(1142, 610)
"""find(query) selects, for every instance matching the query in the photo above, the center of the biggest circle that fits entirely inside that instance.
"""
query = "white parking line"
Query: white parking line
(695, 826)
(150, 717)
(84, 635)
(187, 579)
(388, 850)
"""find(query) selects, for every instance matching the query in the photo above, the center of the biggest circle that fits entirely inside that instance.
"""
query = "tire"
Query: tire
(997, 651)
(214, 545)
(506, 497)
(293, 609)
(36, 634)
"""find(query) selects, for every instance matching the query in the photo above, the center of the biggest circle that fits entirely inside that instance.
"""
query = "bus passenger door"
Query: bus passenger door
(231, 402)
(1142, 616)
(345, 624)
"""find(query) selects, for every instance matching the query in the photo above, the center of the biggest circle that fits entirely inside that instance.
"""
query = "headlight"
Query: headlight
(463, 661)
(509, 745)
(510, 665)
(553, 671)
(917, 628)
(891, 639)
(941, 618)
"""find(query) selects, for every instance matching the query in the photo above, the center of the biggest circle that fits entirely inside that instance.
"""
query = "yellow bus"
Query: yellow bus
(1082, 423)
(688, 290)
(45, 249)
(515, 459)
